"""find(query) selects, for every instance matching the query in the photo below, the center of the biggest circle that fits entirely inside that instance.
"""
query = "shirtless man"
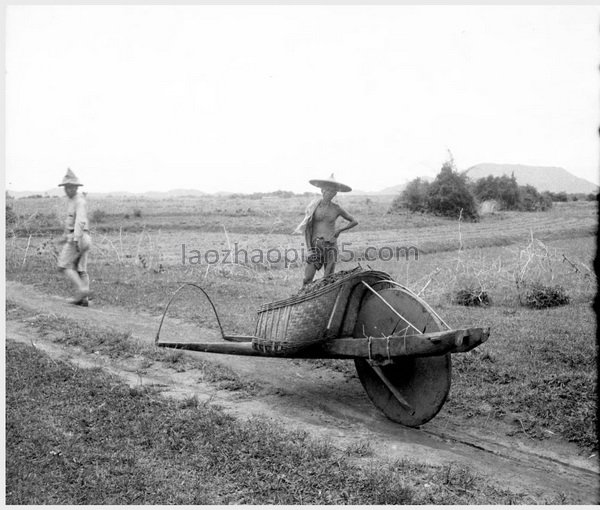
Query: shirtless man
(320, 230)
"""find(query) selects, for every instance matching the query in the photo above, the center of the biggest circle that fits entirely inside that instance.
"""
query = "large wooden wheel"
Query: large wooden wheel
(410, 391)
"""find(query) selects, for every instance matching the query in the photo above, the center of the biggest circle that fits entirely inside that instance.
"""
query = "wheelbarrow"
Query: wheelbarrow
(400, 346)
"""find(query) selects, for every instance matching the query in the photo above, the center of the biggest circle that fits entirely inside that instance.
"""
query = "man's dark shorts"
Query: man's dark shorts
(322, 252)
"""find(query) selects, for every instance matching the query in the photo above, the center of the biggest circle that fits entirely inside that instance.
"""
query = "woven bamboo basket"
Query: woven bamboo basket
(292, 324)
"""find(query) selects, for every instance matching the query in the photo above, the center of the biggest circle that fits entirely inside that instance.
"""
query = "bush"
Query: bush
(414, 197)
(137, 213)
(510, 195)
(41, 220)
(472, 296)
(503, 189)
(561, 196)
(547, 200)
(530, 199)
(98, 216)
(11, 216)
(449, 195)
(540, 296)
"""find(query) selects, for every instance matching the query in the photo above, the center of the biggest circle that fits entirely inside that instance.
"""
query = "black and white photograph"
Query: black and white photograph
(312, 253)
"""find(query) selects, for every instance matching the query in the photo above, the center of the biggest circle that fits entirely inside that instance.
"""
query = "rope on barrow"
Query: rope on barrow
(173, 297)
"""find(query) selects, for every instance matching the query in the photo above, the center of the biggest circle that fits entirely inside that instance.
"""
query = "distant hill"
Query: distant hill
(543, 178)
(55, 192)
(173, 193)
(58, 192)
(392, 190)
(358, 192)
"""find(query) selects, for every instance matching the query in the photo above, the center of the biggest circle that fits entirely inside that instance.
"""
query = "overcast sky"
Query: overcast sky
(260, 98)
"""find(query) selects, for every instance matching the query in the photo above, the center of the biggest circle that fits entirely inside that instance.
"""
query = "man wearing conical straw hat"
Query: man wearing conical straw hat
(319, 228)
(72, 260)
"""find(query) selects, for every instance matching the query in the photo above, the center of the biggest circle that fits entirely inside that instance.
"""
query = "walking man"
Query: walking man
(72, 260)
(319, 228)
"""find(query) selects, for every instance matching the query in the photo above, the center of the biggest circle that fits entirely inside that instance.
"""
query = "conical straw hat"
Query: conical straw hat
(330, 183)
(70, 178)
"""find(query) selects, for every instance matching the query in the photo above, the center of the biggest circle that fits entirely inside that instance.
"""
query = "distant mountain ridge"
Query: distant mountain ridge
(390, 190)
(543, 178)
(58, 192)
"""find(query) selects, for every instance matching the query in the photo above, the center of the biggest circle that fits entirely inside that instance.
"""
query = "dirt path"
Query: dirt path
(325, 402)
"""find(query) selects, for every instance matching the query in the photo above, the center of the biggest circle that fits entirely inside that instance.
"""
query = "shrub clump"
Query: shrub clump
(532, 200)
(449, 195)
(472, 296)
(11, 216)
(414, 197)
(540, 296)
(43, 220)
(98, 216)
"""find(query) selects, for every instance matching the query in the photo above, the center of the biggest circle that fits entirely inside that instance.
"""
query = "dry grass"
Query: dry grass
(538, 370)
(115, 344)
(496, 256)
(76, 436)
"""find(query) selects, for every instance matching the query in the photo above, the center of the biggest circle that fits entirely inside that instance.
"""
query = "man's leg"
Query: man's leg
(82, 270)
(314, 261)
(85, 279)
(330, 257)
(68, 259)
(73, 276)
(84, 276)
(309, 273)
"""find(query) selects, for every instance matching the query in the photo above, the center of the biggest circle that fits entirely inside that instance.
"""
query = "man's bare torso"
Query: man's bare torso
(324, 219)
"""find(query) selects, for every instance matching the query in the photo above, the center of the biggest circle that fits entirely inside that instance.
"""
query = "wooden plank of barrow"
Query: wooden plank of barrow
(381, 348)
(375, 348)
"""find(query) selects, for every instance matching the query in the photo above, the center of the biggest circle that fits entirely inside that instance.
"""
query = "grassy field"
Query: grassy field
(539, 366)
(276, 215)
(77, 436)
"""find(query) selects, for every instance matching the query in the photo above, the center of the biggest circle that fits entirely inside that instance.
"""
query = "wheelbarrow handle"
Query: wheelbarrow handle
(376, 349)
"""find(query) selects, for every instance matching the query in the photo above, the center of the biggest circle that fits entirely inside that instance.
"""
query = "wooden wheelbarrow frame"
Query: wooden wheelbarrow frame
(405, 370)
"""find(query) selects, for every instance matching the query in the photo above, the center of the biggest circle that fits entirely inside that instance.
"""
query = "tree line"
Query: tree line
(453, 194)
